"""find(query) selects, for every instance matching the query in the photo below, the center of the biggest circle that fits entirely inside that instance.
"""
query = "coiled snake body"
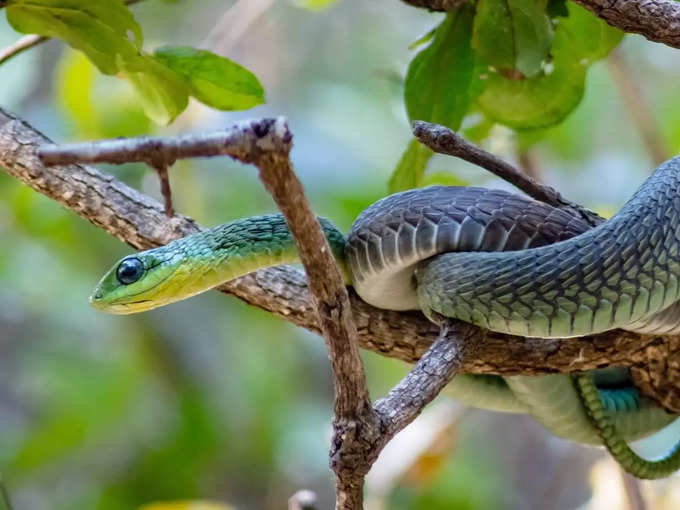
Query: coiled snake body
(495, 259)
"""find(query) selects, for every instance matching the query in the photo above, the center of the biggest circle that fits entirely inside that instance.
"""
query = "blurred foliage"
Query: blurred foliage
(186, 505)
(106, 31)
(211, 399)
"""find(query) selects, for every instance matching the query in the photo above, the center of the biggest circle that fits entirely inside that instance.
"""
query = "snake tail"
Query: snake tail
(602, 420)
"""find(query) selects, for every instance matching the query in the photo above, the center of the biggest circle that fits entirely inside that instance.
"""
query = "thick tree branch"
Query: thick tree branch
(139, 221)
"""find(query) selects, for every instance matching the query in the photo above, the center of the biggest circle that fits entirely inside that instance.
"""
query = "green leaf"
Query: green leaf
(587, 37)
(439, 83)
(513, 36)
(104, 30)
(423, 39)
(213, 80)
(546, 99)
(411, 167)
(162, 92)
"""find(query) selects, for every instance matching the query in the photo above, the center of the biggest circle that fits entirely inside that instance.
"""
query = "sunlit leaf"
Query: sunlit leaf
(187, 505)
(545, 100)
(514, 36)
(411, 167)
(213, 80)
(439, 81)
(104, 30)
(98, 107)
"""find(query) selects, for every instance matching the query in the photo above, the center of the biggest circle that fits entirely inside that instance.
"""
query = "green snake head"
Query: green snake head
(201, 261)
(138, 283)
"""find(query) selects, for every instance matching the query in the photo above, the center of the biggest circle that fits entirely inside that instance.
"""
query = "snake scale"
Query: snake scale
(495, 259)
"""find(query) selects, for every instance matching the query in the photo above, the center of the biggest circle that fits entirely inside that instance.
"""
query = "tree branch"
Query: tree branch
(444, 141)
(20, 45)
(455, 343)
(139, 221)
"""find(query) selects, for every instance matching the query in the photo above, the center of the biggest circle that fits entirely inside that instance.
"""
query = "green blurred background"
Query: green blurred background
(212, 399)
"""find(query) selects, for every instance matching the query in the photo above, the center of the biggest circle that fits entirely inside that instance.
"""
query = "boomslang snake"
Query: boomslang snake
(492, 258)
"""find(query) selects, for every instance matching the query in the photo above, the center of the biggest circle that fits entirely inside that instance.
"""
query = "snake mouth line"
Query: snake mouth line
(97, 298)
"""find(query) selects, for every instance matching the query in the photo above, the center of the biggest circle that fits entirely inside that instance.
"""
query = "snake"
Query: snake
(498, 260)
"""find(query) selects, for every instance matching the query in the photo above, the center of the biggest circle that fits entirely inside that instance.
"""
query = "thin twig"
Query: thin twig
(634, 100)
(166, 191)
(441, 139)
(24, 43)
(427, 378)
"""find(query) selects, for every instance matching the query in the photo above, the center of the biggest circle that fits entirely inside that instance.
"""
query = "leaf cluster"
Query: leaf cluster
(106, 31)
(518, 63)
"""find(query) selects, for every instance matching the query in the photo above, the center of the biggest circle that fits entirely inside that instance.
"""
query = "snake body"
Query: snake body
(492, 258)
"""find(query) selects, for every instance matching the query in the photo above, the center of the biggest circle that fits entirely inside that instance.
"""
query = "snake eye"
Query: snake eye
(129, 271)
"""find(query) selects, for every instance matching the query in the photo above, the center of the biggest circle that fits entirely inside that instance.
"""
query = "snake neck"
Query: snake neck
(241, 247)
(202, 261)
